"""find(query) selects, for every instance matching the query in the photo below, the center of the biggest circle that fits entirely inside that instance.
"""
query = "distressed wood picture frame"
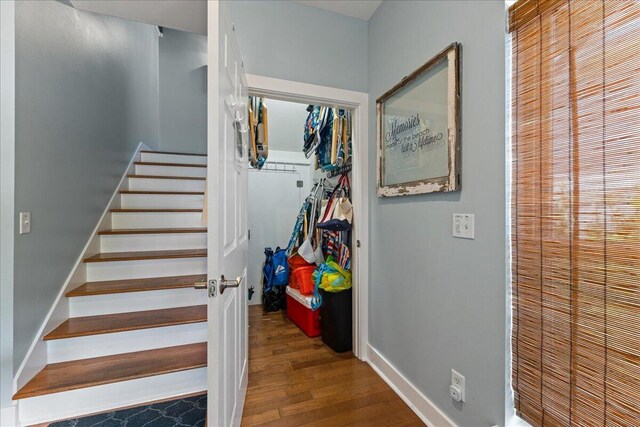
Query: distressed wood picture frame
(419, 129)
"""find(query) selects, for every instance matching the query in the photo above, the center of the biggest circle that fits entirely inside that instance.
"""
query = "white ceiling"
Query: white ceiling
(361, 9)
(191, 15)
(182, 15)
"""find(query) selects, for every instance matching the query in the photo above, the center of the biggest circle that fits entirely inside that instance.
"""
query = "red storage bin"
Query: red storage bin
(296, 262)
(304, 281)
(300, 313)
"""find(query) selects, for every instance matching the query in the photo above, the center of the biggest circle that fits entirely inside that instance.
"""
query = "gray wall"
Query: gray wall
(86, 95)
(287, 40)
(183, 92)
(437, 302)
(286, 125)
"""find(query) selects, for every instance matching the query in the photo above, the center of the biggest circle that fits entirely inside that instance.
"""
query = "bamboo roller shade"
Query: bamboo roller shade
(576, 211)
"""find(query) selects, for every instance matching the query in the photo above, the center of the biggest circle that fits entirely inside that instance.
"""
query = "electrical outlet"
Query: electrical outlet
(25, 222)
(464, 226)
(457, 387)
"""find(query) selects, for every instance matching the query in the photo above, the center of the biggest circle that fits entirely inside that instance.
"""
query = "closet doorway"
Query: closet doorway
(289, 168)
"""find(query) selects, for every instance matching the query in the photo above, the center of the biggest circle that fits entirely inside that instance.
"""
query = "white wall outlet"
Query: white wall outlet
(457, 387)
(25, 222)
(464, 226)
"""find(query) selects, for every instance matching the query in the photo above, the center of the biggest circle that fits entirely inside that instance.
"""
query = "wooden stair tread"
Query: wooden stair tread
(152, 231)
(163, 193)
(77, 374)
(182, 165)
(142, 255)
(193, 178)
(135, 285)
(156, 210)
(171, 152)
(121, 322)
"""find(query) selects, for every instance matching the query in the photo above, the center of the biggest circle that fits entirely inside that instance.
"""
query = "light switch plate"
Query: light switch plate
(25, 222)
(464, 226)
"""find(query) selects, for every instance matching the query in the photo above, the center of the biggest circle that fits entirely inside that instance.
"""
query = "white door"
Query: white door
(227, 190)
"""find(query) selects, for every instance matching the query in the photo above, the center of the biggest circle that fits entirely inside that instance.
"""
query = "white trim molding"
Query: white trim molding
(424, 408)
(7, 207)
(36, 357)
(306, 93)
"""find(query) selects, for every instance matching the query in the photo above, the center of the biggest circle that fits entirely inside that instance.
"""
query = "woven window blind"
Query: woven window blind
(576, 211)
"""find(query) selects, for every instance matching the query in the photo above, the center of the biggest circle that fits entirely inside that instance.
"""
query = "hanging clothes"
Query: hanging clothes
(258, 132)
(327, 133)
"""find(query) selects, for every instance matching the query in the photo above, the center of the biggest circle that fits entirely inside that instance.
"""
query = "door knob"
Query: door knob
(224, 284)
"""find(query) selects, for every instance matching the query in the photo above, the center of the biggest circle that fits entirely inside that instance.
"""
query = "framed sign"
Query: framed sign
(418, 124)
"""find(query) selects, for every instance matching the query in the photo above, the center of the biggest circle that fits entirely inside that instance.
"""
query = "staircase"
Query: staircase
(136, 330)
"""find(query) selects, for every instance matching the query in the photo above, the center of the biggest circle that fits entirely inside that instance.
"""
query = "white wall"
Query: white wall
(274, 203)
(437, 302)
(274, 198)
(286, 125)
(7, 187)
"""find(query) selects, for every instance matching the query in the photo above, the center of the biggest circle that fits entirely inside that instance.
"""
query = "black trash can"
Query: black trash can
(335, 320)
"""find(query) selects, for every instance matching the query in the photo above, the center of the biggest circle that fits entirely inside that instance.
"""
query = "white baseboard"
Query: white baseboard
(424, 408)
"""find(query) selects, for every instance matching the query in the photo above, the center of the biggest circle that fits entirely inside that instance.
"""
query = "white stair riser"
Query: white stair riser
(120, 220)
(96, 305)
(171, 170)
(155, 184)
(102, 398)
(152, 242)
(173, 158)
(119, 270)
(157, 201)
(125, 342)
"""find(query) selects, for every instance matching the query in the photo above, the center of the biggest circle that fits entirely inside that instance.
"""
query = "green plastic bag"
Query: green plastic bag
(334, 277)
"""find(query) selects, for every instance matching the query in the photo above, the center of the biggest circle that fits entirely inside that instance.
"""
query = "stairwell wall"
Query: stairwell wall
(86, 96)
(183, 91)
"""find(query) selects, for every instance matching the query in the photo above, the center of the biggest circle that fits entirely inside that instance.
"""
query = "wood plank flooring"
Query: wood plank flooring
(295, 380)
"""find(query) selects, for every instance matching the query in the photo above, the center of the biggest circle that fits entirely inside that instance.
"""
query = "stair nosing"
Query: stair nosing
(192, 178)
(177, 165)
(172, 153)
(78, 386)
(162, 193)
(106, 318)
(146, 255)
(174, 284)
(160, 210)
(126, 231)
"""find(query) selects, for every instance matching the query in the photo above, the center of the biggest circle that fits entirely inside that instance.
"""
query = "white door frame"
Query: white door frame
(286, 90)
(7, 219)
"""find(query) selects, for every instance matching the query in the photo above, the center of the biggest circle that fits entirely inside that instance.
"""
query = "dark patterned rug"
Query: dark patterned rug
(187, 412)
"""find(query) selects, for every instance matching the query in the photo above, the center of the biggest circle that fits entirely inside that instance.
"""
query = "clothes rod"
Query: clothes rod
(278, 167)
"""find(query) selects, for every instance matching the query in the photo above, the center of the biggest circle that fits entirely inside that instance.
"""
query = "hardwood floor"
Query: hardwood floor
(295, 380)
